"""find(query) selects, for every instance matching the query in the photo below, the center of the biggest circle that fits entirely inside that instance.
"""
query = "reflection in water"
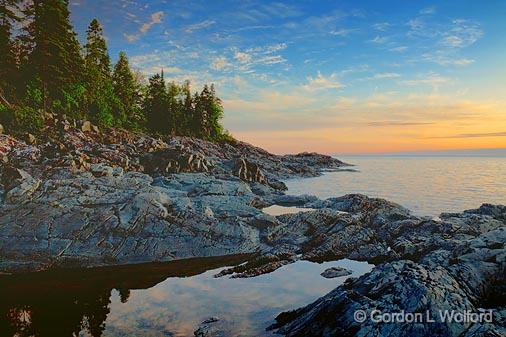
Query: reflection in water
(65, 303)
(168, 299)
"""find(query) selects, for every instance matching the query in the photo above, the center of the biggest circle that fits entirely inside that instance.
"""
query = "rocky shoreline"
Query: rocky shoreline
(80, 197)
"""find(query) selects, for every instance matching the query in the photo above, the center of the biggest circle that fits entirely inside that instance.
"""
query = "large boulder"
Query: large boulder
(19, 185)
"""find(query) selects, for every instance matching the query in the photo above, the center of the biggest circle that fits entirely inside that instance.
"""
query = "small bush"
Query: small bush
(20, 120)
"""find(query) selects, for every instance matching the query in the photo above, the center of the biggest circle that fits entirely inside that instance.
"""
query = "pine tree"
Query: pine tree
(215, 115)
(126, 89)
(156, 105)
(54, 58)
(202, 109)
(104, 107)
(96, 58)
(173, 115)
(188, 110)
(8, 63)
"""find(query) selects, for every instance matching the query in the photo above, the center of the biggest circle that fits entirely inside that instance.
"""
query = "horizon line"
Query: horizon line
(448, 152)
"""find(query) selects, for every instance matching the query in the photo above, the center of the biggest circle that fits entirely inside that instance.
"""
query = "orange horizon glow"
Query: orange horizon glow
(372, 125)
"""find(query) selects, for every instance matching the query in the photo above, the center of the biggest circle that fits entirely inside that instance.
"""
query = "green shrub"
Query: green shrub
(33, 95)
(21, 120)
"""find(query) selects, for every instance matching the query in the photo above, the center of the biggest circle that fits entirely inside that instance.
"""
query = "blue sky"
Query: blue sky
(334, 76)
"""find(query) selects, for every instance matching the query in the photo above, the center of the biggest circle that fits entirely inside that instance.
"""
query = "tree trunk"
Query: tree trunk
(4, 100)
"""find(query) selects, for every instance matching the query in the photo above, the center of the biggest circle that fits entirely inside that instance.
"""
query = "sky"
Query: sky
(336, 77)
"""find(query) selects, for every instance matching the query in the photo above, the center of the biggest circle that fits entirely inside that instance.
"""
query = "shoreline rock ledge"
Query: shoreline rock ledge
(82, 197)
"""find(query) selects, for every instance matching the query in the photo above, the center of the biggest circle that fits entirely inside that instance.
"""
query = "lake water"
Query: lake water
(426, 185)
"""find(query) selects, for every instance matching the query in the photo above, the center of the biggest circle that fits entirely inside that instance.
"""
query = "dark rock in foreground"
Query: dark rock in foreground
(334, 272)
(453, 264)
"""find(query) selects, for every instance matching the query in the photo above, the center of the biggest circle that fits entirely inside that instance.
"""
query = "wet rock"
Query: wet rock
(334, 272)
(83, 220)
(295, 200)
(450, 271)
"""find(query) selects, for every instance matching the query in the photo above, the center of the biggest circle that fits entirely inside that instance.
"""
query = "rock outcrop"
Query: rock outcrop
(456, 263)
(107, 217)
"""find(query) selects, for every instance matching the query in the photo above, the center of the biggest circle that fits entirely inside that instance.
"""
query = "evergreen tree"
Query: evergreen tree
(96, 58)
(8, 63)
(202, 109)
(174, 105)
(188, 111)
(54, 58)
(105, 108)
(155, 104)
(127, 90)
(214, 115)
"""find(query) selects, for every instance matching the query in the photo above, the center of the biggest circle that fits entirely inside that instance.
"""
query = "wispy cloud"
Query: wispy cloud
(432, 79)
(462, 34)
(321, 82)
(220, 63)
(198, 26)
(381, 26)
(443, 58)
(379, 39)
(428, 10)
(398, 123)
(476, 135)
(400, 49)
(156, 18)
(343, 32)
(381, 76)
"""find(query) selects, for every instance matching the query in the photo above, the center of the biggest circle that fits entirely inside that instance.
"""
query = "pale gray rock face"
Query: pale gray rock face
(108, 220)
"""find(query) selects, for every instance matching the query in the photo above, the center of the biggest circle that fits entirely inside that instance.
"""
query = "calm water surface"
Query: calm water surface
(171, 301)
(426, 185)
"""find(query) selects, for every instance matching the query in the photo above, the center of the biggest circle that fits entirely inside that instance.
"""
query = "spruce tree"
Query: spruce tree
(104, 108)
(188, 110)
(214, 116)
(54, 58)
(174, 105)
(156, 105)
(8, 63)
(202, 106)
(96, 58)
(126, 89)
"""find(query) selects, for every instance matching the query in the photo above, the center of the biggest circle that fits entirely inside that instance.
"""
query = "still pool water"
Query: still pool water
(168, 299)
